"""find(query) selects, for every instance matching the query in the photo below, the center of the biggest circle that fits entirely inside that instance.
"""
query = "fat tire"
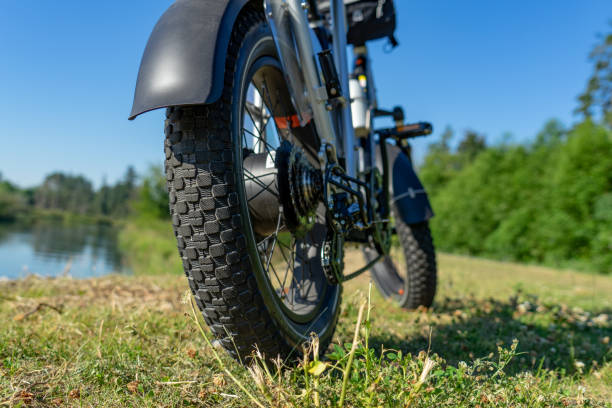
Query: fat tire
(420, 258)
(416, 287)
(206, 218)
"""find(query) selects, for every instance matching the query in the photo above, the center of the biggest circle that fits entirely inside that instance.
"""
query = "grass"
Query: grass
(149, 247)
(37, 214)
(499, 334)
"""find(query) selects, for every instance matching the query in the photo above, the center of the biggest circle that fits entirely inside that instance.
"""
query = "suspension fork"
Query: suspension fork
(338, 14)
(297, 47)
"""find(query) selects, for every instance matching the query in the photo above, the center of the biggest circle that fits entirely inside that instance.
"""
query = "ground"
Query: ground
(499, 334)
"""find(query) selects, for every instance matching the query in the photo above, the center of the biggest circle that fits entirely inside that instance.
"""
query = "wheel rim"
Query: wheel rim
(288, 269)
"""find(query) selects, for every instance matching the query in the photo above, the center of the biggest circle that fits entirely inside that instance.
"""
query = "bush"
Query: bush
(152, 198)
(12, 201)
(548, 202)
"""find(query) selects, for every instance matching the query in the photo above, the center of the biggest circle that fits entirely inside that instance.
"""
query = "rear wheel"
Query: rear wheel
(415, 284)
(252, 259)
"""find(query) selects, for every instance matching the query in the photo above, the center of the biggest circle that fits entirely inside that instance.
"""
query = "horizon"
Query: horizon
(496, 69)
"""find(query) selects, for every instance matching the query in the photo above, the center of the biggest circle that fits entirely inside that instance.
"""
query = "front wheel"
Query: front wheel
(255, 271)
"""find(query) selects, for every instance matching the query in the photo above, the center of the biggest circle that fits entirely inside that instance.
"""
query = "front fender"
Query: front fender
(184, 60)
(407, 191)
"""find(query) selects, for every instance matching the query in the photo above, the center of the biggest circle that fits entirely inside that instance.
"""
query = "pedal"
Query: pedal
(407, 131)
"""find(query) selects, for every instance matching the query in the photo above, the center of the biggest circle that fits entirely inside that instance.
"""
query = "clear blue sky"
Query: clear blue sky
(69, 67)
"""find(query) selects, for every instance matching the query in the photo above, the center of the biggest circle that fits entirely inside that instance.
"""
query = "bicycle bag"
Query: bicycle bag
(366, 20)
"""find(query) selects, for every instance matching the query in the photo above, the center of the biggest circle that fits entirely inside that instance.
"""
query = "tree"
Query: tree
(438, 166)
(115, 199)
(471, 144)
(597, 98)
(12, 200)
(552, 134)
(152, 199)
(103, 198)
(60, 191)
(441, 163)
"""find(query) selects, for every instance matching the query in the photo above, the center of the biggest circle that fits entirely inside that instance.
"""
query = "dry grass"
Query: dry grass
(129, 341)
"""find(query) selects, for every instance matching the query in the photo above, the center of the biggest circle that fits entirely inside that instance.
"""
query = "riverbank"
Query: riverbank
(129, 341)
(34, 215)
(148, 247)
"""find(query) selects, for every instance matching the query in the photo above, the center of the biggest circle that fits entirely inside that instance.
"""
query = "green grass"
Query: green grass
(149, 247)
(499, 334)
(37, 214)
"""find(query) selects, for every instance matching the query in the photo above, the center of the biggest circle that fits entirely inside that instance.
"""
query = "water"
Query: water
(49, 248)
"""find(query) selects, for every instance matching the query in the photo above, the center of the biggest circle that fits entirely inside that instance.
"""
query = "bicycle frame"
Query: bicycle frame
(296, 44)
(294, 40)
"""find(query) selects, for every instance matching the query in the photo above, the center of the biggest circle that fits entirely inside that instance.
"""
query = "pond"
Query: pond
(51, 248)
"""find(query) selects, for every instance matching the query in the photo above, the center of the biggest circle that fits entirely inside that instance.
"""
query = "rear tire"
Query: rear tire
(210, 215)
(417, 286)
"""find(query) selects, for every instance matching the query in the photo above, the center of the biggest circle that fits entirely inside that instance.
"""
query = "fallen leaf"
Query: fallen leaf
(26, 397)
(133, 386)
(317, 368)
(219, 380)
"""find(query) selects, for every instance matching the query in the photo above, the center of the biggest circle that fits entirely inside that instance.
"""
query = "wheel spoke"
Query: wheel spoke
(296, 290)
(260, 183)
(278, 223)
(290, 264)
(282, 287)
(259, 131)
(262, 140)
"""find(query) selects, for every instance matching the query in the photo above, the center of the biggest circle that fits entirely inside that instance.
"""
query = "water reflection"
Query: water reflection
(52, 248)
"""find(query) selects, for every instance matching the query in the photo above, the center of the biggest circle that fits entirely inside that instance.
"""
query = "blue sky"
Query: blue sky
(69, 67)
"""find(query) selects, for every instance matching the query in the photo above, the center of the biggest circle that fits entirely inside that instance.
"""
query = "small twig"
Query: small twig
(36, 309)
(349, 363)
(174, 382)
(100, 339)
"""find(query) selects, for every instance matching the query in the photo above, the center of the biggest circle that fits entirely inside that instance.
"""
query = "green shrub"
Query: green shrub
(548, 202)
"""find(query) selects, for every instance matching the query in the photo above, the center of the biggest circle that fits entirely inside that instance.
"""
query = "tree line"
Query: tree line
(546, 201)
(75, 194)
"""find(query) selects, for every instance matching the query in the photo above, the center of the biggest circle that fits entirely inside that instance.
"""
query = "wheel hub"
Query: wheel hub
(282, 188)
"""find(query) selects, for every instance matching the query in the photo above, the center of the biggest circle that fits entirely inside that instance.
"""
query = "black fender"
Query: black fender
(184, 60)
(407, 191)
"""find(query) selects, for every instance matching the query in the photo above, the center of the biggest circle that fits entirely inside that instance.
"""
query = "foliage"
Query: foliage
(152, 199)
(13, 201)
(545, 202)
(75, 194)
(66, 195)
(61, 191)
(442, 163)
(149, 247)
(114, 200)
(597, 98)
(130, 341)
